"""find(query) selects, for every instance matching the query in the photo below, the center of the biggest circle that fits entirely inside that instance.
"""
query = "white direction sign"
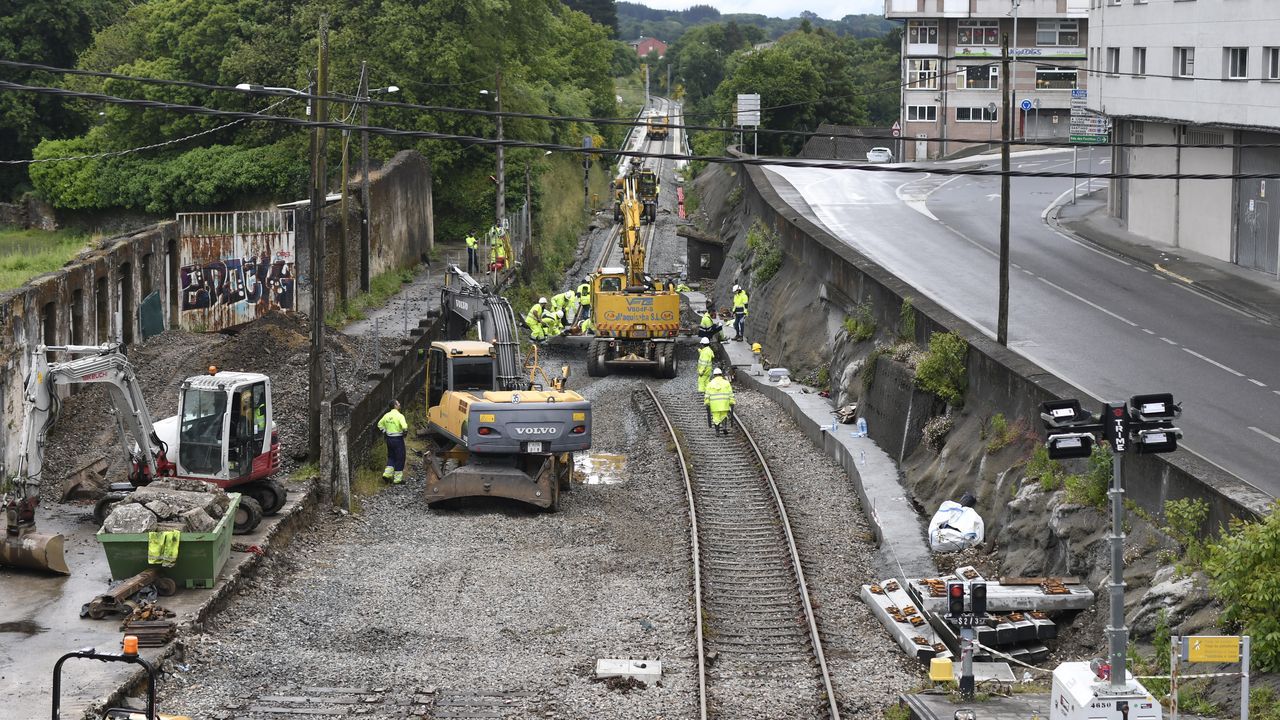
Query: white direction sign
(749, 110)
(1087, 127)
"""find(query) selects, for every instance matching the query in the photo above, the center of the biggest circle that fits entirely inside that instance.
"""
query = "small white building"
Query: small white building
(1193, 72)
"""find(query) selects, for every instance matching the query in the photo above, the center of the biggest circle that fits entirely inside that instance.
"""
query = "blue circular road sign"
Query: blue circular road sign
(1025, 104)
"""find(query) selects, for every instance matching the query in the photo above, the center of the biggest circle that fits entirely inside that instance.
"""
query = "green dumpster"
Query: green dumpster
(200, 555)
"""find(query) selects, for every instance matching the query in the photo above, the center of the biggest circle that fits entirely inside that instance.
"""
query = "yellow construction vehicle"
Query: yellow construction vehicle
(636, 318)
(497, 432)
(656, 127)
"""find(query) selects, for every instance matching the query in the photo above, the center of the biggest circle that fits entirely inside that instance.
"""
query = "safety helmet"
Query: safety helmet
(736, 288)
(717, 372)
(559, 313)
(542, 301)
(705, 341)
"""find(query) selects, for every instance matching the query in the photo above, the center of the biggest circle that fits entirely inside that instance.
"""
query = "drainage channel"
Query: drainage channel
(758, 642)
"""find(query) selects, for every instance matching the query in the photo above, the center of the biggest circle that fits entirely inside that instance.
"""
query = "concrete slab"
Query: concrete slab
(891, 607)
(900, 533)
(1013, 598)
(943, 707)
(44, 611)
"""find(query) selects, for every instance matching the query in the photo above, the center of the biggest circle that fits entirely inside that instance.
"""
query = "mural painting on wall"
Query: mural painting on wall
(262, 282)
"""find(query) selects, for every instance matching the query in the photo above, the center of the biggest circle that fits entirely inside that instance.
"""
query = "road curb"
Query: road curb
(276, 539)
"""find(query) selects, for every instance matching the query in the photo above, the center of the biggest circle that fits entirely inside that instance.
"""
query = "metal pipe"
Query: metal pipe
(1117, 633)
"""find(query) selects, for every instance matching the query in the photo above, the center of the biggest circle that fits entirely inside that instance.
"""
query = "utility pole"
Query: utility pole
(646, 85)
(343, 266)
(500, 210)
(1010, 73)
(315, 384)
(364, 179)
(1002, 314)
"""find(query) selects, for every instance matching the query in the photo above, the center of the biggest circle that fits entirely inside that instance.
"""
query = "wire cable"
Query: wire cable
(576, 150)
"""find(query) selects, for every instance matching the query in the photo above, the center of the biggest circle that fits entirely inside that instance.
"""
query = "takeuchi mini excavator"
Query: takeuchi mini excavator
(636, 318)
(223, 434)
(498, 432)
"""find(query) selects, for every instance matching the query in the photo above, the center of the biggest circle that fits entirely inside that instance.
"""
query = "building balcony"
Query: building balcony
(894, 9)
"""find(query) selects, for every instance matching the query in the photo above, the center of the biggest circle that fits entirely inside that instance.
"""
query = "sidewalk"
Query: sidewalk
(1251, 290)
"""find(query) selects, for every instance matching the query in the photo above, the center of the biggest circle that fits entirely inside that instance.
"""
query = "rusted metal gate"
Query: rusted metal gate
(235, 267)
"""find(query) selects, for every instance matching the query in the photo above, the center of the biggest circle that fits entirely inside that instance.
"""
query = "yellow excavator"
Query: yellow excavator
(497, 433)
(636, 317)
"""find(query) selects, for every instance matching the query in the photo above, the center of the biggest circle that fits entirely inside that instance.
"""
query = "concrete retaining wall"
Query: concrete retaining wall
(999, 379)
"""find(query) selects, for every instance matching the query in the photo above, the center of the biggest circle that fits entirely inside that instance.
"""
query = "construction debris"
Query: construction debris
(169, 504)
(129, 596)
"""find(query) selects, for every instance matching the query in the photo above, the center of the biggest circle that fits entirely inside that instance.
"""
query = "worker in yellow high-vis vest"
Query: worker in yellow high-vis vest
(393, 427)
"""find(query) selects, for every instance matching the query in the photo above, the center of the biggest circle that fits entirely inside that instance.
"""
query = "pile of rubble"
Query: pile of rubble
(169, 504)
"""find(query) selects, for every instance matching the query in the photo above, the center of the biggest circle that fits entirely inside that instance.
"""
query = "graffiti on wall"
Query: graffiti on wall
(235, 268)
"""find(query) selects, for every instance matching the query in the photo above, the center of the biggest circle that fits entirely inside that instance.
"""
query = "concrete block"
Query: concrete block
(196, 520)
(646, 671)
(180, 500)
(129, 518)
(161, 509)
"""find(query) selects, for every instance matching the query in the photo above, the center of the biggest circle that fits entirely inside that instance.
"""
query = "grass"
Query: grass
(381, 289)
(631, 88)
(367, 480)
(24, 254)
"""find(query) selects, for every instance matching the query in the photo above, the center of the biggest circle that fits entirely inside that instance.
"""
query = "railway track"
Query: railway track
(759, 650)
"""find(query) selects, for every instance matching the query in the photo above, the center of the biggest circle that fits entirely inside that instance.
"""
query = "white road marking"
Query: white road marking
(1265, 434)
(1090, 303)
(1168, 341)
(1259, 383)
(1211, 361)
(1149, 332)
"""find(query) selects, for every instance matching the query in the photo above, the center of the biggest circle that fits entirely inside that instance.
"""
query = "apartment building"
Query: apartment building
(952, 92)
(1193, 72)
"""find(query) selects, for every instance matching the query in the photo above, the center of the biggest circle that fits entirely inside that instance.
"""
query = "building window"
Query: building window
(1237, 63)
(978, 77)
(922, 74)
(922, 113)
(1184, 62)
(1271, 63)
(978, 32)
(922, 32)
(975, 114)
(1113, 61)
(1058, 33)
(1052, 78)
(1139, 61)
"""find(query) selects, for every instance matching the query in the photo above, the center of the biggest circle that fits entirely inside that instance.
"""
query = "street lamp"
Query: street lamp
(500, 203)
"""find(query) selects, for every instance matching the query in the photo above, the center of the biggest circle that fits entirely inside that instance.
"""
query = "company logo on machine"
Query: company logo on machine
(537, 430)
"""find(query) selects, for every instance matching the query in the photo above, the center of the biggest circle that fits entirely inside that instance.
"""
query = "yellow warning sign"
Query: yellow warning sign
(1213, 648)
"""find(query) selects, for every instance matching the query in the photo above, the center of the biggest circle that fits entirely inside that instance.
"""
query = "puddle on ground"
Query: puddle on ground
(599, 468)
(25, 627)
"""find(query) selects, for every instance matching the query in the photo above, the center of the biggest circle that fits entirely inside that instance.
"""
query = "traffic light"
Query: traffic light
(978, 597)
(955, 598)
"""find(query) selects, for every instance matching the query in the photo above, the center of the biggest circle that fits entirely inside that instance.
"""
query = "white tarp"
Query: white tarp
(955, 527)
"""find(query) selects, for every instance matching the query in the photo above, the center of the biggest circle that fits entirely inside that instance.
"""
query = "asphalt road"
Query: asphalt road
(1108, 326)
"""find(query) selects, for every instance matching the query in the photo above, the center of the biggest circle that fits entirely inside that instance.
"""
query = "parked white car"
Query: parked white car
(879, 155)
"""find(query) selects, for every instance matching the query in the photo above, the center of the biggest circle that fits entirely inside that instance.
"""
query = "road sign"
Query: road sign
(1025, 104)
(1212, 648)
(896, 130)
(1087, 128)
(749, 110)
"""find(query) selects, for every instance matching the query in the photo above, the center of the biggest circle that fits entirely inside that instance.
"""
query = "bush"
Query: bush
(860, 326)
(734, 197)
(763, 242)
(1183, 519)
(942, 371)
(1242, 574)
(1090, 488)
(1047, 471)
(907, 320)
(936, 430)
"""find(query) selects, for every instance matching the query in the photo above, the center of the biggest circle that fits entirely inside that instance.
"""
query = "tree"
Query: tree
(602, 12)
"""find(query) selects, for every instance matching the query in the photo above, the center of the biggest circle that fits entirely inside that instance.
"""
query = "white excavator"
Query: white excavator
(223, 434)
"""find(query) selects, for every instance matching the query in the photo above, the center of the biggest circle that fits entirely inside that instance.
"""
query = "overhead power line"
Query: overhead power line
(573, 149)
(886, 136)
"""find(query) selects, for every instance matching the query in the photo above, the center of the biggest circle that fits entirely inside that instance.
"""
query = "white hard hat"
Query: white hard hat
(705, 341)
(716, 372)
(736, 288)
(542, 300)
(559, 313)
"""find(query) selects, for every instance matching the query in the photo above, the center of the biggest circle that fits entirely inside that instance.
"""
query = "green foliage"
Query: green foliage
(942, 371)
(763, 242)
(1090, 488)
(636, 20)
(1241, 566)
(734, 197)
(907, 320)
(24, 254)
(999, 433)
(860, 326)
(381, 289)
(692, 199)
(936, 430)
(897, 711)
(868, 375)
(1264, 704)
(1183, 520)
(1041, 467)
(824, 376)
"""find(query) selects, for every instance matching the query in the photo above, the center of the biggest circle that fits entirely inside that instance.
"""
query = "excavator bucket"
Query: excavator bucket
(35, 551)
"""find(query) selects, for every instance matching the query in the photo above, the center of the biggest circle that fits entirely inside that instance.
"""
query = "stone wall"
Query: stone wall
(797, 316)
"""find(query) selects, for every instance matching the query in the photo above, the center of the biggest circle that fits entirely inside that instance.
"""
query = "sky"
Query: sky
(831, 9)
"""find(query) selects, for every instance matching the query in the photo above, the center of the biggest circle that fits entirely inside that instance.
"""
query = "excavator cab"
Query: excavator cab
(222, 429)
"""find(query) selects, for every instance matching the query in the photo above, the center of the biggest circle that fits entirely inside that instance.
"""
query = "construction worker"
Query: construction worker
(586, 327)
(719, 401)
(739, 313)
(497, 254)
(584, 298)
(706, 356)
(473, 253)
(533, 319)
(566, 301)
(707, 327)
(550, 323)
(682, 287)
(393, 427)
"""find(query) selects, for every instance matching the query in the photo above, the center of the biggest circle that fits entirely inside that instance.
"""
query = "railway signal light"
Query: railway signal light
(1063, 413)
(978, 597)
(955, 599)
(1065, 446)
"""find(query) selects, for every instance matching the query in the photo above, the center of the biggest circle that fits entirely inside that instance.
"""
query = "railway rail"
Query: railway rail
(756, 633)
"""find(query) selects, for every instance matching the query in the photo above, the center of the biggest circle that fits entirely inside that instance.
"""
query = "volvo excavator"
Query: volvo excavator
(636, 317)
(223, 434)
(497, 432)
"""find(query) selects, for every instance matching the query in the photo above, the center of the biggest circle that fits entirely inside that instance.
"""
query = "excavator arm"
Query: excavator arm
(103, 364)
(632, 247)
(466, 304)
